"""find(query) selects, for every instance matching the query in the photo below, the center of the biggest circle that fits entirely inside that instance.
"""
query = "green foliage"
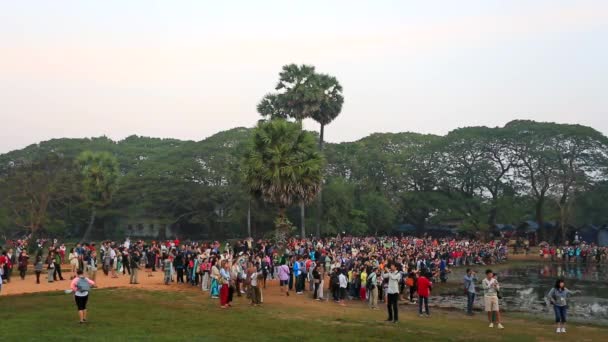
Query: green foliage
(100, 173)
(476, 176)
(282, 165)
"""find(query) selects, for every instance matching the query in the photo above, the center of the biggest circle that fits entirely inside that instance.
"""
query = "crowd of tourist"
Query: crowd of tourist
(369, 269)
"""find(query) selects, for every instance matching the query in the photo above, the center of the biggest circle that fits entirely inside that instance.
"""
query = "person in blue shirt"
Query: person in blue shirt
(469, 288)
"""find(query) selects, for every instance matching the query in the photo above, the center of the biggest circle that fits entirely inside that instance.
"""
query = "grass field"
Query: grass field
(143, 315)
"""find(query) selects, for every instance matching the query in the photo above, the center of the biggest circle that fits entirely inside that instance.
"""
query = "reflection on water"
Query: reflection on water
(525, 287)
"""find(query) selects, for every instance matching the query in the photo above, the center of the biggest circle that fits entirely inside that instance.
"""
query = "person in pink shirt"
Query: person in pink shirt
(81, 286)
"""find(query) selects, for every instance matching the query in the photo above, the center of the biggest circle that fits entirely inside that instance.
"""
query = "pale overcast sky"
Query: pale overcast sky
(188, 69)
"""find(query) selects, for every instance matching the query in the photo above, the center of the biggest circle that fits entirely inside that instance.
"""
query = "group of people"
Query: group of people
(578, 253)
(370, 269)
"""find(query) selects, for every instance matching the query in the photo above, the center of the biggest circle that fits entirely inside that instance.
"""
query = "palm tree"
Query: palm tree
(303, 93)
(100, 173)
(283, 165)
(329, 109)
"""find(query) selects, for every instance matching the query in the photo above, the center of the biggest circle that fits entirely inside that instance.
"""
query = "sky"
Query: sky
(189, 69)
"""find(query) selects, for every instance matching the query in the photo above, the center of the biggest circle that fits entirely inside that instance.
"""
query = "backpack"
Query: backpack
(409, 281)
(369, 283)
(83, 285)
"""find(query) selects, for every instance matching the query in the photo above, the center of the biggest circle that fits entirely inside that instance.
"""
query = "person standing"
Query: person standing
(343, 283)
(92, 265)
(50, 267)
(38, 267)
(73, 259)
(469, 289)
(224, 282)
(22, 264)
(284, 278)
(81, 287)
(316, 278)
(424, 291)
(363, 285)
(558, 297)
(134, 266)
(393, 277)
(1, 273)
(57, 261)
(490, 296)
(372, 280)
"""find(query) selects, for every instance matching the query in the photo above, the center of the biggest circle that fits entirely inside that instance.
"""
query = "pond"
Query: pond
(525, 286)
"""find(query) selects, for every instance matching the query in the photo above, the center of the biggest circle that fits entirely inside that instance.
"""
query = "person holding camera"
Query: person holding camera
(469, 289)
(393, 277)
(491, 287)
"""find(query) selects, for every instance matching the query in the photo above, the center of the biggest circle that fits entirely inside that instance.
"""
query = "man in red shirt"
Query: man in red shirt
(424, 290)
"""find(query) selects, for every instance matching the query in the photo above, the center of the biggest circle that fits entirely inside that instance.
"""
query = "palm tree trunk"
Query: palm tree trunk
(249, 218)
(302, 219)
(87, 233)
(320, 196)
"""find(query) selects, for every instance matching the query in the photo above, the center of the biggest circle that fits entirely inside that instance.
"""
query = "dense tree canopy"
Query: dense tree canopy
(473, 178)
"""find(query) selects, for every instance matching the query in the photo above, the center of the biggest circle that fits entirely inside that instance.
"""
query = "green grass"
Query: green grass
(137, 315)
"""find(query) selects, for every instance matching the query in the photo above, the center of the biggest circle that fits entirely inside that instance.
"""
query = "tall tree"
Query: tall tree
(331, 105)
(283, 165)
(581, 159)
(100, 174)
(33, 190)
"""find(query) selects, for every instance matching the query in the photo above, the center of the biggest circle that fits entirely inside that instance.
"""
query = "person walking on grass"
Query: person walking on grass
(558, 297)
(81, 286)
(490, 296)
(393, 277)
(469, 289)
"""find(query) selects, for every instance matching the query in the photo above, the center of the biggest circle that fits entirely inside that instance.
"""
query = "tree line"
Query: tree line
(247, 181)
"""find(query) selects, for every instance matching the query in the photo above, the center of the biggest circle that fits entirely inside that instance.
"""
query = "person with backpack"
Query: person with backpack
(558, 297)
(81, 286)
(372, 288)
(410, 282)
